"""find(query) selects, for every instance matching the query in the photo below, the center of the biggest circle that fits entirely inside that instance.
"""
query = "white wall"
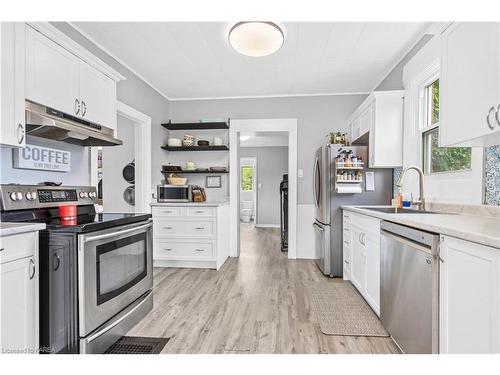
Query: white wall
(272, 163)
(114, 160)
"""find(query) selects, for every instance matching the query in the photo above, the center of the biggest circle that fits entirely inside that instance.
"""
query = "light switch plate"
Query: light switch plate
(300, 173)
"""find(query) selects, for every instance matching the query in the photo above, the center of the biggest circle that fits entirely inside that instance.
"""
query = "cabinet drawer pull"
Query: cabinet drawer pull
(57, 261)
(199, 228)
(2, 249)
(199, 212)
(77, 106)
(346, 242)
(84, 108)
(167, 212)
(346, 229)
(492, 109)
(168, 228)
(20, 133)
(32, 266)
(199, 249)
(168, 249)
(346, 262)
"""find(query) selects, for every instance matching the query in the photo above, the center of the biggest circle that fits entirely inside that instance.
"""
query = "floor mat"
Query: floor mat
(342, 311)
(138, 345)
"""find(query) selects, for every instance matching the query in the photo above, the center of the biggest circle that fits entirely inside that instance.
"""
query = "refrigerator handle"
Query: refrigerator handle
(315, 170)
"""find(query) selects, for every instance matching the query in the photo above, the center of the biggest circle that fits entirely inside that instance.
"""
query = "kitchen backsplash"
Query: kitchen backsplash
(491, 176)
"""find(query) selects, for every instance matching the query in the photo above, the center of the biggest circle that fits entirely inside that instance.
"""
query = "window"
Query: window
(247, 178)
(439, 159)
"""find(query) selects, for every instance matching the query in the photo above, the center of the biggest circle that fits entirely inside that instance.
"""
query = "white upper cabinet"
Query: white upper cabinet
(97, 96)
(62, 75)
(470, 85)
(12, 54)
(469, 298)
(378, 123)
(52, 74)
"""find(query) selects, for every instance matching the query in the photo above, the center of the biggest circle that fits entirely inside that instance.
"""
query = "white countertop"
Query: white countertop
(6, 229)
(483, 230)
(209, 203)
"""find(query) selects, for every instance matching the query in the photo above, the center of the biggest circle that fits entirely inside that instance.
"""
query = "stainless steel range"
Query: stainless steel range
(95, 271)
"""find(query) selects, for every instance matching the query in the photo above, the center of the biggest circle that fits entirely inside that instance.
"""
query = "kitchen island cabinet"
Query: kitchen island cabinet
(190, 235)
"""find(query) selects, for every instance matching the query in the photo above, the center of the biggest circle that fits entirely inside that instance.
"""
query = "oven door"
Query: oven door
(115, 268)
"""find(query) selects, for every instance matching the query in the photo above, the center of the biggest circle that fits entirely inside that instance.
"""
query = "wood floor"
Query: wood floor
(257, 303)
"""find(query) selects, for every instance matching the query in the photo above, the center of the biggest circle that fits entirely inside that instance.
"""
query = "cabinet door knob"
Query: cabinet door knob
(77, 106)
(20, 133)
(32, 266)
(492, 109)
(84, 108)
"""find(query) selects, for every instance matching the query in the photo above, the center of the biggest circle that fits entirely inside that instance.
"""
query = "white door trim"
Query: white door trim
(142, 151)
(262, 125)
(252, 162)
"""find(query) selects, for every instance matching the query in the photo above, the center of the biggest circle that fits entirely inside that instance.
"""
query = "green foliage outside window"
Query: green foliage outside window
(440, 159)
(247, 178)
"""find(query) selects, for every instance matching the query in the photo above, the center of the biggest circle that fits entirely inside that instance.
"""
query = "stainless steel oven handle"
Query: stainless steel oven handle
(116, 234)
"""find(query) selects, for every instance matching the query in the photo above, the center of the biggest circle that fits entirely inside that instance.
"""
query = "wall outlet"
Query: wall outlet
(300, 173)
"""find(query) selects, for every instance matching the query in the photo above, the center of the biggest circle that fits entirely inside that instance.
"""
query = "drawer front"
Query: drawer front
(184, 228)
(366, 223)
(346, 217)
(17, 246)
(201, 211)
(168, 211)
(346, 235)
(182, 250)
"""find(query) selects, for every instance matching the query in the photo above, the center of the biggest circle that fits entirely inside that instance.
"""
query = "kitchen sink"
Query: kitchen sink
(395, 210)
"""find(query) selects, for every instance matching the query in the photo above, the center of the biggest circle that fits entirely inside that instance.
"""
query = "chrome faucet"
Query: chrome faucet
(421, 200)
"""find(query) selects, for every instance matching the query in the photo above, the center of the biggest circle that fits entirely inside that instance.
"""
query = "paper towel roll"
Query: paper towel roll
(348, 189)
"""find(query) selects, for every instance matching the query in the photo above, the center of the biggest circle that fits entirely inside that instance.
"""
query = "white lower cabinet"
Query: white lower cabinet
(469, 297)
(190, 236)
(363, 235)
(19, 293)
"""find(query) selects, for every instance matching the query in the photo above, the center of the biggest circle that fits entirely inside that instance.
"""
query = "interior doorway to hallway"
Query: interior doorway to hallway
(272, 143)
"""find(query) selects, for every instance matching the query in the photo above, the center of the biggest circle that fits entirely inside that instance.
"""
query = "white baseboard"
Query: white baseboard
(267, 226)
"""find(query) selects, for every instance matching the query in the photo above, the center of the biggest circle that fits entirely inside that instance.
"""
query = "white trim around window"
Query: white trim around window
(449, 187)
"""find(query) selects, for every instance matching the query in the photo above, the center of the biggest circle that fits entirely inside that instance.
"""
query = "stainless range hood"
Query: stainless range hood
(45, 122)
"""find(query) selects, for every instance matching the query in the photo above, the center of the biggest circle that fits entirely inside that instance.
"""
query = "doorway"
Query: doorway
(248, 190)
(123, 173)
(266, 128)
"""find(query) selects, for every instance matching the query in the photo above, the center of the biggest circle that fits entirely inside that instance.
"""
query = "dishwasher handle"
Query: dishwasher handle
(428, 242)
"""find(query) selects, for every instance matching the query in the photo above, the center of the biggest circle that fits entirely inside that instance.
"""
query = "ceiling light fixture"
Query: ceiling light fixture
(256, 38)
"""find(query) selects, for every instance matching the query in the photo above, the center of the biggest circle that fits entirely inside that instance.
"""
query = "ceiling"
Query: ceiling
(187, 60)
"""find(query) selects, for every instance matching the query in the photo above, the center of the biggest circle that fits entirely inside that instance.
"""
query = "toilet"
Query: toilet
(246, 211)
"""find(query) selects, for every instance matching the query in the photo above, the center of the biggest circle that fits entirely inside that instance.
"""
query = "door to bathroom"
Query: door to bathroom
(248, 193)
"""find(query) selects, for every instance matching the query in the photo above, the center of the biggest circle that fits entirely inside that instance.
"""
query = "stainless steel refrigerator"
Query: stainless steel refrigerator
(330, 195)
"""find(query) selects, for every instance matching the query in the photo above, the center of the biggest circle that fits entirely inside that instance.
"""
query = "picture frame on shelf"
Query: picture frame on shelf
(213, 182)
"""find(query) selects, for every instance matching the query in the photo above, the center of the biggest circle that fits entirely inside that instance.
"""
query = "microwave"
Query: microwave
(174, 193)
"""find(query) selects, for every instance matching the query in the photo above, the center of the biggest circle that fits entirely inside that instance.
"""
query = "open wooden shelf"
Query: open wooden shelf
(196, 125)
(195, 172)
(196, 148)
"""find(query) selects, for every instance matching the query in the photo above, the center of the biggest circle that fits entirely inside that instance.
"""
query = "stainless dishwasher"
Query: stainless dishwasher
(409, 287)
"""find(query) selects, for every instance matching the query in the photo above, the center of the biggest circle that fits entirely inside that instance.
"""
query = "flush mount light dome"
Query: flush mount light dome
(256, 38)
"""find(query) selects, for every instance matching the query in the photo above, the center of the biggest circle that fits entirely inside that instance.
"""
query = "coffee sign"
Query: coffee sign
(42, 158)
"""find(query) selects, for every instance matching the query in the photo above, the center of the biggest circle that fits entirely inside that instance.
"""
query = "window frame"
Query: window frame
(423, 125)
